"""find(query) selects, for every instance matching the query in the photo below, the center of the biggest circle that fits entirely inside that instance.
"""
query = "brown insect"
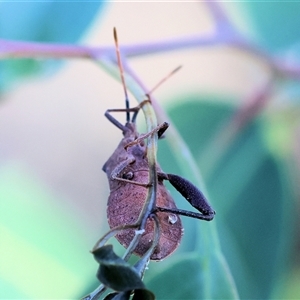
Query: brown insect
(128, 175)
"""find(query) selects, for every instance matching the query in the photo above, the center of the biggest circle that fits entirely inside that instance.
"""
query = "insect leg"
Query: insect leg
(191, 193)
(186, 213)
(160, 129)
(135, 110)
(115, 174)
(115, 121)
(138, 109)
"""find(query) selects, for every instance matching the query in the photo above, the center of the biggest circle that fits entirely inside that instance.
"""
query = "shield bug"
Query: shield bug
(127, 170)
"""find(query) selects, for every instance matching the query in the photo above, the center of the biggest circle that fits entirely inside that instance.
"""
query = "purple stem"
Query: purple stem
(225, 34)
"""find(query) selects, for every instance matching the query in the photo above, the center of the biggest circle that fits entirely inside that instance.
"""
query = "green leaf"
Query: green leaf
(114, 272)
(106, 255)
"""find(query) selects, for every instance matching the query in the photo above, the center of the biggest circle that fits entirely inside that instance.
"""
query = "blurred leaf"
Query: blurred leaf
(43, 249)
(276, 22)
(114, 272)
(41, 21)
(34, 21)
(179, 278)
(290, 288)
(191, 275)
(288, 92)
(249, 192)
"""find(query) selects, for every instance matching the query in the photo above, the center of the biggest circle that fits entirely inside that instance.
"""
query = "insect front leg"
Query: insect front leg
(160, 129)
(115, 174)
(192, 194)
(135, 110)
(115, 121)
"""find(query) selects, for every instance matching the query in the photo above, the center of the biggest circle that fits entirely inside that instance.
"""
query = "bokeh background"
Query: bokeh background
(54, 140)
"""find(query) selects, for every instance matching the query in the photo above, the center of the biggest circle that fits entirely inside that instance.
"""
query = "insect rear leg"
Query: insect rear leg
(185, 213)
(192, 194)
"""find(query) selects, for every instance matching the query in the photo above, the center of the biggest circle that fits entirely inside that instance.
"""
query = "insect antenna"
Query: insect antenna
(164, 79)
(155, 87)
(122, 75)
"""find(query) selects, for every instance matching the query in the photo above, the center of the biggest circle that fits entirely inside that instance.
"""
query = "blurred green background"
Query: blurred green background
(54, 139)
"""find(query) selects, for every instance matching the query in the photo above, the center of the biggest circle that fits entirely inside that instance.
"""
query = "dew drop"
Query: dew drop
(172, 219)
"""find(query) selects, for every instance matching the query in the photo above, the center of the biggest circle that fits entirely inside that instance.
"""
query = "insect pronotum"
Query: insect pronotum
(127, 170)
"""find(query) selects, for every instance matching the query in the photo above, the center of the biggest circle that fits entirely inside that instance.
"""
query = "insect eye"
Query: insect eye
(128, 175)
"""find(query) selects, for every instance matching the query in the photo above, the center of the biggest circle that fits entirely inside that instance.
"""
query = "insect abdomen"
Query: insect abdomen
(124, 207)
